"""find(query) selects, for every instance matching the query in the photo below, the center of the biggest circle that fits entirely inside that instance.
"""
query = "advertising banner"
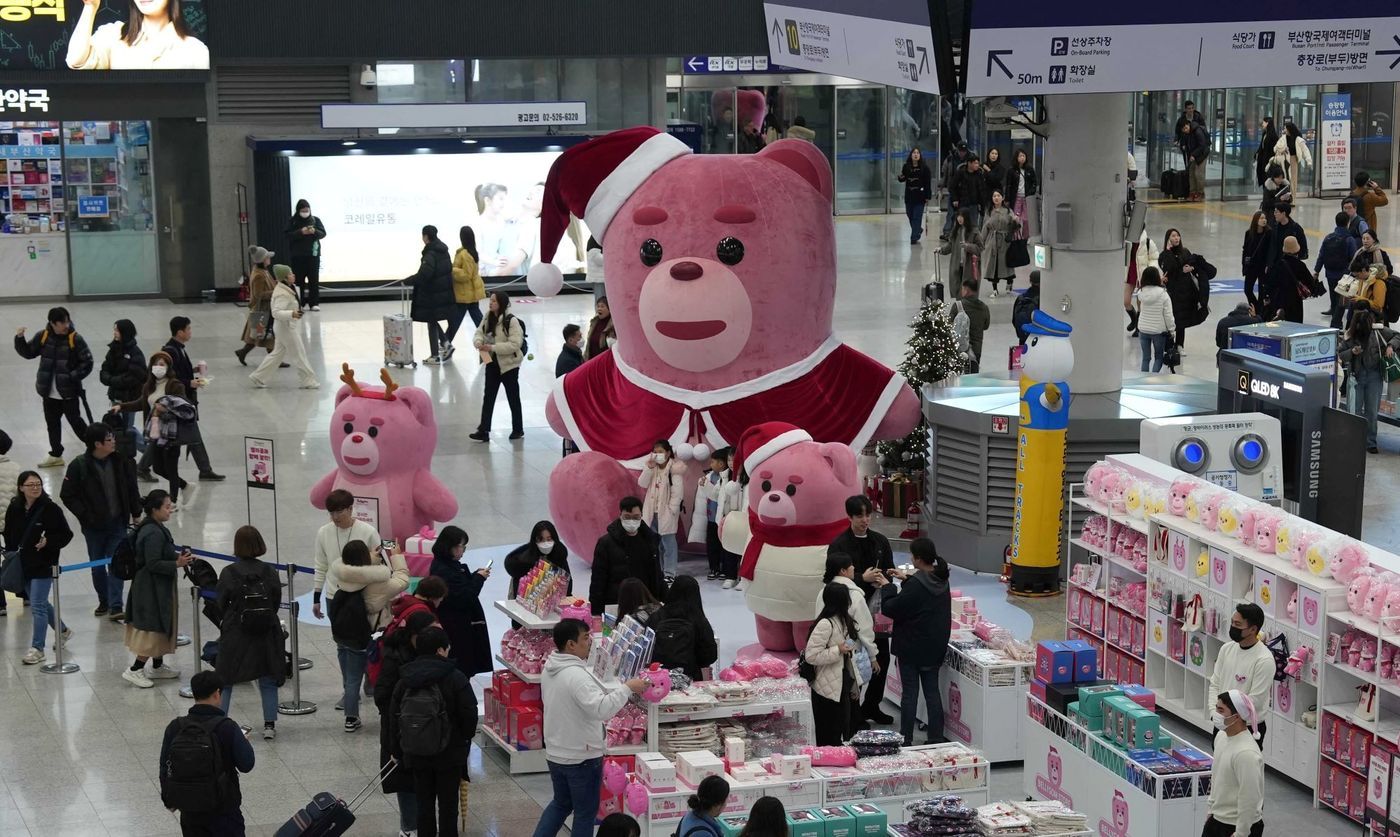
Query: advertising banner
(104, 35)
(1335, 146)
(257, 460)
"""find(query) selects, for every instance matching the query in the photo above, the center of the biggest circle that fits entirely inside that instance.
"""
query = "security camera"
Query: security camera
(368, 77)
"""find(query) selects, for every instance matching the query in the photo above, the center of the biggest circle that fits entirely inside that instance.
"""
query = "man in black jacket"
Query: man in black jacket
(435, 777)
(871, 553)
(236, 752)
(1025, 306)
(1242, 315)
(629, 549)
(923, 618)
(100, 490)
(1270, 247)
(181, 330)
(969, 189)
(64, 361)
(945, 181)
(304, 233)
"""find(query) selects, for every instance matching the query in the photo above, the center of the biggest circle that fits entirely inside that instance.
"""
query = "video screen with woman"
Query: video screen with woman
(137, 35)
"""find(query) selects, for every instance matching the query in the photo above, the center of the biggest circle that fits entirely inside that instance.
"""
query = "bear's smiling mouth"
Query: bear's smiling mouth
(356, 460)
(691, 330)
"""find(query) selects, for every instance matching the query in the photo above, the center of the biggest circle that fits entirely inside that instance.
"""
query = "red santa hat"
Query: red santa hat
(591, 181)
(762, 441)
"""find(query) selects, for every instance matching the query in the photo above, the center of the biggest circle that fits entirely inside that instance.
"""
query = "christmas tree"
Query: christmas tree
(932, 356)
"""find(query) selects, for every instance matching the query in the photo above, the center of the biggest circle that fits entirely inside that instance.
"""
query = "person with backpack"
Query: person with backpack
(706, 804)
(841, 569)
(99, 488)
(251, 643)
(364, 588)
(1195, 144)
(500, 341)
(461, 612)
(432, 718)
(979, 320)
(1028, 303)
(685, 639)
(153, 608)
(201, 755)
(64, 361)
(922, 611)
(871, 557)
(1334, 256)
(1363, 352)
(398, 651)
(36, 530)
(830, 647)
(577, 705)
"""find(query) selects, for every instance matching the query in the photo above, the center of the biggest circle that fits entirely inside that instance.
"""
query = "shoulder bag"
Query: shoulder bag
(12, 572)
(1278, 646)
(259, 325)
(1391, 363)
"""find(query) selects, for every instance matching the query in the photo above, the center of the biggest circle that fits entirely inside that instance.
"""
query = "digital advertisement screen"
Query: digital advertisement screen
(374, 208)
(104, 35)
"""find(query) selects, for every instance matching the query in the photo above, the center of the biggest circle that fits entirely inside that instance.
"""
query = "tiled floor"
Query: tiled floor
(79, 751)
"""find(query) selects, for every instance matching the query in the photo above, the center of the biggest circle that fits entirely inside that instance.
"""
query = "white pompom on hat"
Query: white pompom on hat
(1244, 707)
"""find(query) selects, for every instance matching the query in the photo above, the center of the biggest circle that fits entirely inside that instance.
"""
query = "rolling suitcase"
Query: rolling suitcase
(398, 335)
(934, 291)
(1168, 182)
(328, 815)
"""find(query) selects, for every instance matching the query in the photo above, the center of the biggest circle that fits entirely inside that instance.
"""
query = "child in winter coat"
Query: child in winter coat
(663, 480)
(711, 496)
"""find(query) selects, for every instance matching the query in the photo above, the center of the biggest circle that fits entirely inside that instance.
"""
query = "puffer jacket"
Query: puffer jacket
(466, 278)
(64, 361)
(433, 296)
(1155, 311)
(50, 526)
(459, 702)
(380, 582)
(1372, 347)
(509, 336)
(244, 655)
(860, 614)
(663, 496)
(123, 370)
(826, 652)
(706, 491)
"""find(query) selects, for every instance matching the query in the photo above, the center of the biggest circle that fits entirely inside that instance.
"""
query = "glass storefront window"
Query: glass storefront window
(110, 207)
(861, 172)
(420, 81)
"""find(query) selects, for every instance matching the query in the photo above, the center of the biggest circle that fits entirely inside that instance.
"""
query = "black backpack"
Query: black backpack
(424, 726)
(256, 612)
(675, 642)
(524, 335)
(197, 777)
(1336, 254)
(124, 556)
(349, 619)
(1392, 299)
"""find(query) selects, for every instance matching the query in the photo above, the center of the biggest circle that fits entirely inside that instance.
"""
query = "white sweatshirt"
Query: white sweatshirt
(1251, 670)
(380, 582)
(330, 540)
(1237, 781)
(576, 706)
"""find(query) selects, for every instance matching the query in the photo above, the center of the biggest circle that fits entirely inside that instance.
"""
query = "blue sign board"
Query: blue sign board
(93, 206)
(699, 65)
(30, 152)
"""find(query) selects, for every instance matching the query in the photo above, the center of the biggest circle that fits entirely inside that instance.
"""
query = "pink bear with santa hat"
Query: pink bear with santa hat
(796, 493)
(721, 279)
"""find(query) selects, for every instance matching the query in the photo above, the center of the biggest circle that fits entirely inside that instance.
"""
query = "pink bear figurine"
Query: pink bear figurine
(1266, 529)
(1390, 613)
(660, 680)
(1176, 496)
(1303, 539)
(1376, 596)
(383, 440)
(1210, 510)
(1357, 590)
(1368, 655)
(1348, 558)
(1093, 478)
(796, 493)
(722, 282)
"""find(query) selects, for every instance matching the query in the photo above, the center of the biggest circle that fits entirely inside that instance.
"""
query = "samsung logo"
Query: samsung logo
(1314, 464)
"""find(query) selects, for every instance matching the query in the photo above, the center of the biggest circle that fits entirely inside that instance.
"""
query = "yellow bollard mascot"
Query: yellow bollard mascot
(1040, 457)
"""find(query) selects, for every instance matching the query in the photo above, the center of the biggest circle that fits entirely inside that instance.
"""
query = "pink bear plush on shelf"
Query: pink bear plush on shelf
(1376, 595)
(1347, 558)
(1094, 477)
(1390, 613)
(1176, 497)
(1210, 510)
(1357, 591)
(1266, 529)
(383, 440)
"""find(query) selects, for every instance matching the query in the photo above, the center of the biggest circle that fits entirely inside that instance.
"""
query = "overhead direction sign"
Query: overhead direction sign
(880, 41)
(1025, 47)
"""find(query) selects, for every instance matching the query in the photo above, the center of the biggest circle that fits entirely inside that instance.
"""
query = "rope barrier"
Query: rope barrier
(101, 562)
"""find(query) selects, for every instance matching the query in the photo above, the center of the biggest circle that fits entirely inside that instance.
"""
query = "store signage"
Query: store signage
(21, 99)
(470, 115)
(367, 510)
(885, 43)
(1336, 141)
(94, 206)
(699, 65)
(30, 152)
(1025, 47)
(257, 457)
(35, 35)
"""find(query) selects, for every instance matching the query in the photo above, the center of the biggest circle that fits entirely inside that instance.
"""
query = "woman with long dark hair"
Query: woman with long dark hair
(544, 545)
(153, 607)
(829, 648)
(467, 287)
(684, 613)
(156, 36)
(1021, 183)
(461, 613)
(1258, 229)
(36, 529)
(1179, 276)
(1291, 149)
(767, 818)
(1265, 152)
(917, 178)
(635, 599)
(706, 804)
(499, 339)
(601, 332)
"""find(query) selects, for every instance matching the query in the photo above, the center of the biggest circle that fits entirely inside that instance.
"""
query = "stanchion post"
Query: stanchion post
(58, 666)
(186, 690)
(302, 663)
(295, 706)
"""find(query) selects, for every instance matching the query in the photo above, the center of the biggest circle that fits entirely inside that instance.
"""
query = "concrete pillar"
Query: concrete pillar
(1083, 183)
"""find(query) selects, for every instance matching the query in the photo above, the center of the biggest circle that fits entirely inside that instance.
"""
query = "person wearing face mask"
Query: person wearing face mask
(711, 496)
(629, 549)
(164, 398)
(1245, 662)
(663, 481)
(544, 545)
(304, 233)
(1237, 770)
(64, 361)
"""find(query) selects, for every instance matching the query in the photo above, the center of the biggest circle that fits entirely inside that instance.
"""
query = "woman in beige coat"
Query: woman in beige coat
(499, 340)
(663, 480)
(829, 650)
(260, 286)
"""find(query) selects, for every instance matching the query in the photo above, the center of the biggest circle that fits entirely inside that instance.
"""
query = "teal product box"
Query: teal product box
(871, 820)
(733, 824)
(1164, 741)
(1141, 729)
(1093, 723)
(1086, 660)
(1091, 698)
(805, 824)
(839, 822)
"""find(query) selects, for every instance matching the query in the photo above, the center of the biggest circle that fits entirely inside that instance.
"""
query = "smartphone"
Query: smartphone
(490, 564)
(389, 545)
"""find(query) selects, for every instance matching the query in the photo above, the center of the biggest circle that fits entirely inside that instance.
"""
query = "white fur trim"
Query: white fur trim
(622, 181)
(877, 412)
(561, 400)
(712, 435)
(702, 400)
(772, 446)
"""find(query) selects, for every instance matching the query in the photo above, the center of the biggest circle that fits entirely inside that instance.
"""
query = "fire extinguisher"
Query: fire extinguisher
(911, 521)
(243, 289)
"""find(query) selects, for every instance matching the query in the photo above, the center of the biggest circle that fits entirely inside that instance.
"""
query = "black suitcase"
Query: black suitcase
(328, 815)
(1168, 182)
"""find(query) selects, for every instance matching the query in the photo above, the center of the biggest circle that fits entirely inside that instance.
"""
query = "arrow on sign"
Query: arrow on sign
(777, 30)
(692, 65)
(994, 56)
(1395, 52)
(923, 60)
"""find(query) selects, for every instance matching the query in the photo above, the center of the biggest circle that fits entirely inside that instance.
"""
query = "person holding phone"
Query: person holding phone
(153, 607)
(461, 613)
(1369, 195)
(304, 233)
(156, 36)
(830, 647)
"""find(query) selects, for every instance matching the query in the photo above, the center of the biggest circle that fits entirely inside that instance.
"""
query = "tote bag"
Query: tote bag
(1017, 253)
(12, 571)
(259, 325)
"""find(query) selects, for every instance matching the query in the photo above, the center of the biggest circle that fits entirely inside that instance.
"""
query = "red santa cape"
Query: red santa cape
(609, 407)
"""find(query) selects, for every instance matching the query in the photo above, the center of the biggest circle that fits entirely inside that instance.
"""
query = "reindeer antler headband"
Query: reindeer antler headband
(387, 394)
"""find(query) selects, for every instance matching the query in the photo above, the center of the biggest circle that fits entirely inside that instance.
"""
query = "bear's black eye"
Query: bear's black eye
(651, 252)
(730, 250)
(349, 428)
(373, 431)
(791, 489)
(767, 486)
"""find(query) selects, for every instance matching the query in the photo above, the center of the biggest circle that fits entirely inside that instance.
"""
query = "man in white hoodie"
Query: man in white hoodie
(576, 706)
(1237, 772)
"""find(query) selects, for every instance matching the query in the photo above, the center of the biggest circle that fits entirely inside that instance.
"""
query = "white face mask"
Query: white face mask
(545, 547)
(631, 526)
(1218, 720)
(305, 213)
(659, 458)
(158, 372)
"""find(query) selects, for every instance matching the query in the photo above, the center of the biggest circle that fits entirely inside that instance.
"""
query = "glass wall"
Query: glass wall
(860, 150)
(110, 207)
(1372, 129)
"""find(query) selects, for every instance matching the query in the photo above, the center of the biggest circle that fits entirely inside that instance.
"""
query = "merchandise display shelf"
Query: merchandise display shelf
(898, 830)
(890, 790)
(1112, 625)
(1128, 802)
(1096, 507)
(977, 701)
(509, 666)
(1108, 557)
(527, 619)
(521, 761)
(802, 708)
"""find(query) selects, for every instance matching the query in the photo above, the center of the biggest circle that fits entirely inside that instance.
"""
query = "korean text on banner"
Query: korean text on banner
(257, 457)
(1335, 142)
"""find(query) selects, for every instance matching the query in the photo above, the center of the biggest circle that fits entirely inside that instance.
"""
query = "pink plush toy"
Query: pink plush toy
(1093, 479)
(705, 256)
(1376, 596)
(638, 798)
(1196, 501)
(1210, 510)
(1347, 558)
(1300, 656)
(1109, 486)
(1390, 614)
(796, 507)
(1303, 539)
(614, 776)
(1293, 607)
(383, 440)
(1357, 591)
(1249, 519)
(1176, 496)
(1118, 496)
(1368, 655)
(1265, 529)
(660, 680)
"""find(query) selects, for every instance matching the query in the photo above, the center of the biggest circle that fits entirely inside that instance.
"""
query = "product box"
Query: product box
(1190, 756)
(1141, 695)
(1058, 696)
(526, 728)
(1086, 660)
(734, 751)
(512, 691)
(1142, 729)
(871, 820)
(1093, 723)
(1091, 698)
(793, 767)
(805, 824)
(1331, 731)
(838, 821)
(656, 772)
(733, 824)
(694, 765)
(1037, 689)
(1054, 662)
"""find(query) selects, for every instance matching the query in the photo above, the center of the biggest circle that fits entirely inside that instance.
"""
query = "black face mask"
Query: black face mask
(1236, 634)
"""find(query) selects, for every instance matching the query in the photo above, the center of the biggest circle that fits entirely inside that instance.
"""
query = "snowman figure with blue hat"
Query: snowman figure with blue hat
(1046, 363)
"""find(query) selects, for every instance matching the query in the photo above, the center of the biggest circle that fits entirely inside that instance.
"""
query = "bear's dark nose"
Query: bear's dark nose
(774, 497)
(686, 271)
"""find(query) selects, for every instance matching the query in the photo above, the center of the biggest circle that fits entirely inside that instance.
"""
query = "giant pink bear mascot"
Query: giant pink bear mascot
(796, 506)
(383, 439)
(721, 278)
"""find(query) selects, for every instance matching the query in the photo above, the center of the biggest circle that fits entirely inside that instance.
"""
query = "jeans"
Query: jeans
(576, 790)
(41, 609)
(915, 211)
(494, 381)
(1369, 383)
(1154, 348)
(102, 541)
(408, 810)
(267, 687)
(65, 408)
(463, 309)
(911, 678)
(352, 672)
(670, 558)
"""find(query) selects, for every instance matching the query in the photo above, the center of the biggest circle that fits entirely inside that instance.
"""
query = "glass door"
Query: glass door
(913, 124)
(110, 208)
(1298, 104)
(861, 172)
(713, 111)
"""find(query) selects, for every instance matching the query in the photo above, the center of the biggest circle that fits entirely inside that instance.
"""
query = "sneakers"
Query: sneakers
(269, 732)
(352, 724)
(741, 585)
(448, 350)
(210, 476)
(479, 436)
(62, 639)
(51, 461)
(712, 576)
(729, 584)
(100, 610)
(165, 673)
(137, 679)
(433, 360)
(32, 657)
(257, 383)
(145, 475)
(340, 705)
(519, 434)
(315, 308)
(116, 616)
